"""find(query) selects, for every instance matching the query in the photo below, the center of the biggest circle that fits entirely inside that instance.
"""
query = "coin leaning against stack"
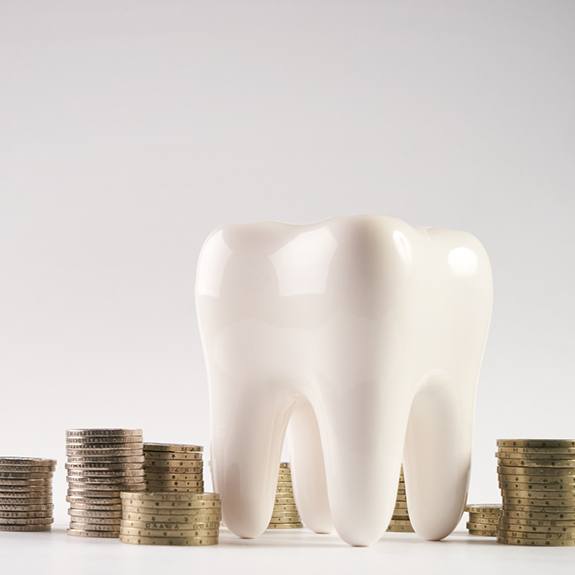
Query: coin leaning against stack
(170, 518)
(483, 519)
(173, 467)
(400, 519)
(285, 514)
(26, 494)
(101, 463)
(537, 482)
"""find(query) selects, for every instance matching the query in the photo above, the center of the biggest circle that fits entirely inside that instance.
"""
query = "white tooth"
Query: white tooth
(369, 334)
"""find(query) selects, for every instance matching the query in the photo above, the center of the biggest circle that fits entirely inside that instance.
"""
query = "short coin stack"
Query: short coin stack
(173, 467)
(537, 482)
(101, 463)
(400, 519)
(483, 519)
(26, 494)
(170, 518)
(285, 514)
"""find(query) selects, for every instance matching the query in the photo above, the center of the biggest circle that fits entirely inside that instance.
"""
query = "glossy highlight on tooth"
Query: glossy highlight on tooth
(362, 339)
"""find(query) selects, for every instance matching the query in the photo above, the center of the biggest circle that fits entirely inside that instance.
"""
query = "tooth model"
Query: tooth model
(367, 336)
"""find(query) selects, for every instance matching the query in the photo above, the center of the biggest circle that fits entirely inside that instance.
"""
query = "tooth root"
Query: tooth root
(308, 472)
(363, 452)
(247, 435)
(437, 458)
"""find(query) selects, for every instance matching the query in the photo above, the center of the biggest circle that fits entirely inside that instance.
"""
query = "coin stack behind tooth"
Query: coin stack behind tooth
(537, 482)
(26, 494)
(483, 519)
(170, 518)
(285, 514)
(400, 519)
(101, 463)
(173, 467)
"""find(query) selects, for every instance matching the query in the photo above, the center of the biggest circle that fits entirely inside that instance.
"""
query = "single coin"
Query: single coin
(95, 461)
(482, 533)
(45, 500)
(168, 489)
(44, 470)
(539, 463)
(278, 508)
(474, 518)
(157, 521)
(526, 512)
(207, 522)
(150, 496)
(538, 450)
(529, 522)
(519, 458)
(25, 521)
(173, 483)
(104, 482)
(95, 525)
(109, 476)
(104, 467)
(107, 452)
(285, 525)
(174, 476)
(563, 473)
(561, 503)
(170, 507)
(32, 492)
(116, 486)
(285, 515)
(532, 535)
(284, 500)
(25, 514)
(113, 507)
(160, 456)
(90, 502)
(550, 443)
(43, 507)
(534, 486)
(398, 515)
(22, 481)
(29, 528)
(94, 513)
(539, 495)
(408, 528)
(172, 447)
(103, 432)
(187, 532)
(517, 527)
(285, 465)
(28, 462)
(104, 442)
(86, 533)
(139, 540)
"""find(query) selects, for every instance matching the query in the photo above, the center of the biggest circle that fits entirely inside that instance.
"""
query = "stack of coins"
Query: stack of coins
(400, 518)
(170, 518)
(285, 514)
(537, 482)
(173, 467)
(483, 519)
(26, 494)
(101, 464)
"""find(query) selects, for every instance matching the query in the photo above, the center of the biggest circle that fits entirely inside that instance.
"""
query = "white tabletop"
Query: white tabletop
(292, 552)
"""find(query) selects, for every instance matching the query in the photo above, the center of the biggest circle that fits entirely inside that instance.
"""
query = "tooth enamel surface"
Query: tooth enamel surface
(366, 335)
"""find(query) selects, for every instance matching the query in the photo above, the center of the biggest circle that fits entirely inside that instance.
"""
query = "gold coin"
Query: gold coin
(104, 467)
(482, 533)
(109, 473)
(529, 456)
(174, 483)
(26, 521)
(526, 512)
(474, 518)
(94, 513)
(90, 442)
(539, 463)
(45, 500)
(86, 533)
(532, 486)
(560, 503)
(532, 535)
(159, 521)
(199, 522)
(397, 514)
(30, 528)
(81, 500)
(171, 497)
(28, 462)
(518, 527)
(175, 532)
(285, 508)
(107, 486)
(549, 443)
(540, 496)
(284, 515)
(399, 523)
(89, 506)
(169, 506)
(19, 470)
(284, 465)
(140, 540)
(106, 452)
(530, 522)
(161, 470)
(408, 528)
(564, 473)
(538, 450)
(96, 461)
(103, 432)
(285, 525)
(161, 456)
(502, 538)
(20, 507)
(95, 525)
(25, 514)
(173, 476)
(172, 447)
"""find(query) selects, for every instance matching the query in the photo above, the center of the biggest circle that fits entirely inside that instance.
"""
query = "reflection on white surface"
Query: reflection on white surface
(462, 261)
(402, 245)
(213, 257)
(302, 265)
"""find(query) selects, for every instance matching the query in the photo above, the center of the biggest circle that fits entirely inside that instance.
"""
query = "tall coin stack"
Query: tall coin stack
(400, 519)
(101, 463)
(285, 514)
(173, 467)
(483, 519)
(170, 518)
(26, 494)
(537, 482)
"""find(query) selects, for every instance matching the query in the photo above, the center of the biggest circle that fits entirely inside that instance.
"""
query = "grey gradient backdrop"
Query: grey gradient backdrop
(130, 129)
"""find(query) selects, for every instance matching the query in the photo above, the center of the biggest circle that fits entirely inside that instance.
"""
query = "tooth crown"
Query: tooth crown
(367, 334)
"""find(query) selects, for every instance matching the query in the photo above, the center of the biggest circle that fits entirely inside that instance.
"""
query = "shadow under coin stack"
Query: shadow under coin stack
(101, 463)
(537, 482)
(285, 514)
(483, 519)
(26, 494)
(400, 520)
(170, 518)
(173, 467)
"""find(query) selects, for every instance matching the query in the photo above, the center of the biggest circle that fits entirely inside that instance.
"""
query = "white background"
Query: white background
(130, 129)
